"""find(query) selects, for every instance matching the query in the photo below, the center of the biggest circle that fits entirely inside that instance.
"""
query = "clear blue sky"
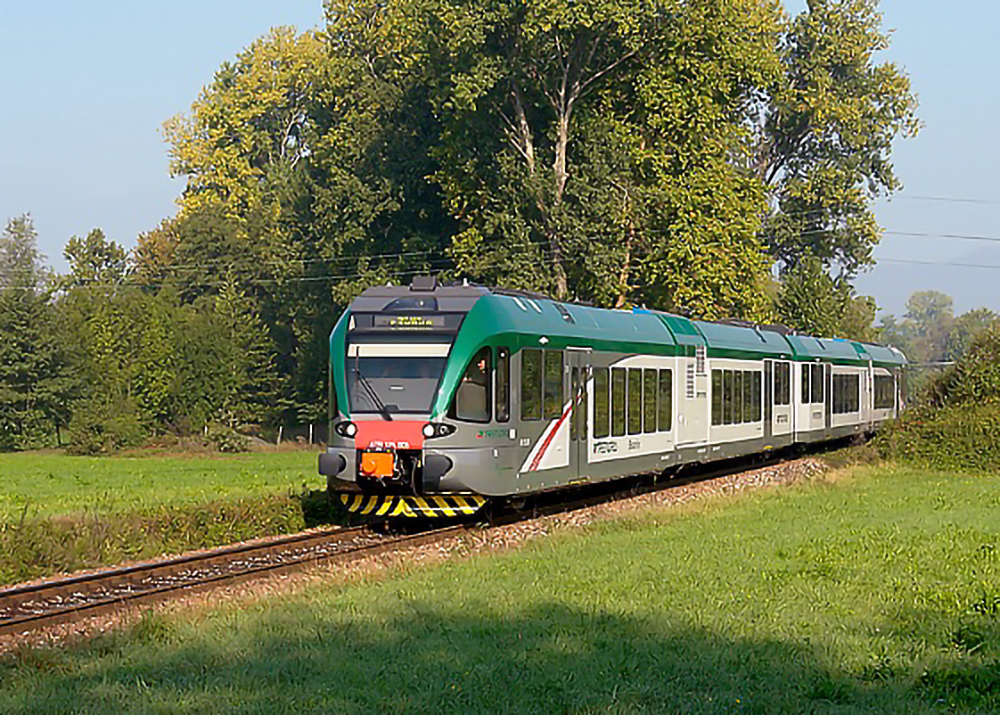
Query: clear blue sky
(86, 87)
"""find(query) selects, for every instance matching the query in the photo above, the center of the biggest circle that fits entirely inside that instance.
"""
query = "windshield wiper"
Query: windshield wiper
(371, 392)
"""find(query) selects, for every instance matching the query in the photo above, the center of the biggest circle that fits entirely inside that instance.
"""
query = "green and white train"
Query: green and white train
(444, 397)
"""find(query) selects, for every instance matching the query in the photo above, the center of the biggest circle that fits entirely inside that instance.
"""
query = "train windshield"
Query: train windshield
(390, 379)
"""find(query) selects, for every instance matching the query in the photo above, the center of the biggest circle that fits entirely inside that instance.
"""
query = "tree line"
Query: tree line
(716, 158)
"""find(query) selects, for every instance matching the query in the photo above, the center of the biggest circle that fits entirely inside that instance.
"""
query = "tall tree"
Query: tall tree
(34, 385)
(826, 139)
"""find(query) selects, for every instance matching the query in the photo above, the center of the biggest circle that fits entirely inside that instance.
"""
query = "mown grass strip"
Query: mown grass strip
(39, 484)
(878, 593)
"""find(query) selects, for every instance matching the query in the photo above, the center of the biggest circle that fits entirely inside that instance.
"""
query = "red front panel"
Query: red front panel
(395, 434)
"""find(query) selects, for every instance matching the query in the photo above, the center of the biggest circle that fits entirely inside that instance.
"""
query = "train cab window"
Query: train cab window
(817, 384)
(716, 398)
(618, 401)
(666, 413)
(531, 384)
(602, 405)
(634, 401)
(503, 385)
(472, 399)
(553, 384)
(649, 400)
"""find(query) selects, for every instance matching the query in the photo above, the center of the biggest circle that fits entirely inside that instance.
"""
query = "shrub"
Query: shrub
(100, 427)
(228, 440)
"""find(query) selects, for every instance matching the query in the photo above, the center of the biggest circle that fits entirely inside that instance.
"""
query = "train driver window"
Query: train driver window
(472, 399)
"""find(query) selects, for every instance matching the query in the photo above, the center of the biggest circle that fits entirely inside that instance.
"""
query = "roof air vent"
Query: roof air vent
(423, 284)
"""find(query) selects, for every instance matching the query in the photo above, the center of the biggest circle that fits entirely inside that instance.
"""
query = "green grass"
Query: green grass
(879, 593)
(47, 484)
(60, 513)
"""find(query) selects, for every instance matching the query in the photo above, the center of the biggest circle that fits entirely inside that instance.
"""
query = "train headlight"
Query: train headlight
(346, 429)
(437, 429)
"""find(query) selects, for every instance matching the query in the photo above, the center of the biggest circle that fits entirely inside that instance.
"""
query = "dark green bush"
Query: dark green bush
(100, 427)
(956, 424)
(227, 440)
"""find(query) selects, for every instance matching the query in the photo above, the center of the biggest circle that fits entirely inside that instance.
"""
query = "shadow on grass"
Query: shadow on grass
(551, 659)
(319, 508)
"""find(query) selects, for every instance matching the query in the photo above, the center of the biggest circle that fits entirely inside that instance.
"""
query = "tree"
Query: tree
(587, 149)
(95, 260)
(966, 328)
(813, 302)
(33, 381)
(826, 139)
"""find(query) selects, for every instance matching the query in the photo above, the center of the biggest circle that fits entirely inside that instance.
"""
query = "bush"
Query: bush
(99, 427)
(963, 438)
(228, 440)
(956, 424)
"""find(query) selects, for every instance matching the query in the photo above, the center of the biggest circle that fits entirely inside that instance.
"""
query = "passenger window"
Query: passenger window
(748, 408)
(727, 400)
(617, 401)
(758, 379)
(581, 406)
(782, 384)
(738, 417)
(666, 400)
(634, 401)
(805, 384)
(503, 385)
(553, 384)
(602, 411)
(817, 383)
(531, 384)
(472, 399)
(649, 400)
(716, 397)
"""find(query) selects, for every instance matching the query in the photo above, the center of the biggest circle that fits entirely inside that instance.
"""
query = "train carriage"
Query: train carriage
(443, 397)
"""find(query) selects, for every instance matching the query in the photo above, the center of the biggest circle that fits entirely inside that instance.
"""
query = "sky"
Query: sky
(87, 86)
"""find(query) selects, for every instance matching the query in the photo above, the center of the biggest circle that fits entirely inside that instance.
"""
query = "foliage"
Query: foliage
(813, 302)
(827, 136)
(956, 422)
(227, 440)
(34, 382)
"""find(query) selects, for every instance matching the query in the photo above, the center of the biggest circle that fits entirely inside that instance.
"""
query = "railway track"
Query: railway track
(25, 609)
(30, 608)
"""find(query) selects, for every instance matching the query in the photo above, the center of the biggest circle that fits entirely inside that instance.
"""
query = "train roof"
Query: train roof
(532, 320)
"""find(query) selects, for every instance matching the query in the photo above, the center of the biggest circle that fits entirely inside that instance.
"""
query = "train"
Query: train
(446, 398)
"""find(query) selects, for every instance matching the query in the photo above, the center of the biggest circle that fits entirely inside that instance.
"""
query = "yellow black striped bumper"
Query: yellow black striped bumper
(407, 506)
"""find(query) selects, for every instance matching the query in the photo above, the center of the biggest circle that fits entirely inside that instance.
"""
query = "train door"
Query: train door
(578, 364)
(782, 411)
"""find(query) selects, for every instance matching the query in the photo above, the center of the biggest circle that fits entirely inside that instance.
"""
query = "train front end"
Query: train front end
(389, 355)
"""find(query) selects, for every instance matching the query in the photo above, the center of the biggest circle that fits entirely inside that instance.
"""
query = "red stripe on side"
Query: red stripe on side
(548, 440)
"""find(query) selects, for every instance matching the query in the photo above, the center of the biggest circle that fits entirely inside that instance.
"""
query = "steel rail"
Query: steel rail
(29, 608)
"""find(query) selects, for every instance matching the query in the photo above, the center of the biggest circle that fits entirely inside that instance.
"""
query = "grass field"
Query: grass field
(60, 513)
(51, 484)
(878, 592)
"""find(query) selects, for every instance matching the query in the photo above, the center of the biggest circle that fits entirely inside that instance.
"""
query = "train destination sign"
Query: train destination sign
(409, 322)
